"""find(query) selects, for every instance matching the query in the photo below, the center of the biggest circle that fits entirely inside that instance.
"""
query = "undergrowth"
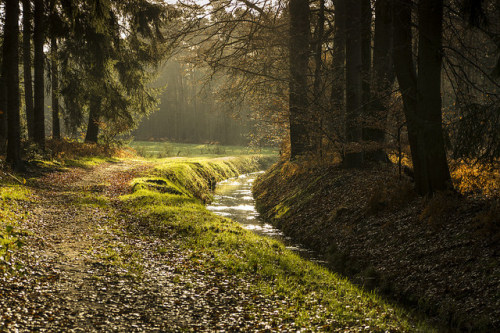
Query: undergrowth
(169, 203)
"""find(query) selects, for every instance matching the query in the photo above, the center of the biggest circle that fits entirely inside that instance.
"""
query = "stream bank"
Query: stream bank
(301, 295)
(128, 246)
(431, 255)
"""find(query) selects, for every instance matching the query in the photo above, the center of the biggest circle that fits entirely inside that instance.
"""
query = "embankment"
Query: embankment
(166, 204)
(436, 255)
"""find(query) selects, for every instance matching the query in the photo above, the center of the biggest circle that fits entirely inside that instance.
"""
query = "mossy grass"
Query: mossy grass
(12, 195)
(315, 297)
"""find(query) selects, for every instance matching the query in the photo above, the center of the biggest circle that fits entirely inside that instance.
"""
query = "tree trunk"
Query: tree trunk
(93, 126)
(435, 174)
(299, 58)
(317, 131)
(422, 94)
(338, 64)
(11, 71)
(39, 39)
(56, 127)
(28, 81)
(405, 72)
(382, 81)
(354, 85)
(3, 112)
(366, 49)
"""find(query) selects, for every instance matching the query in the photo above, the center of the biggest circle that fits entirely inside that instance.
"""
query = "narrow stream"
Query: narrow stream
(233, 199)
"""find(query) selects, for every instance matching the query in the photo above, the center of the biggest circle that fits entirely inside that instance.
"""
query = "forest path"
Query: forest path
(87, 272)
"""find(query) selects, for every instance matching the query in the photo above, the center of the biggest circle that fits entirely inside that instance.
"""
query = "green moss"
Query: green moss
(87, 162)
(11, 212)
(14, 192)
(91, 200)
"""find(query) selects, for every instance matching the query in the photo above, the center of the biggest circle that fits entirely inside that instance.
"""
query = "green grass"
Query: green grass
(11, 212)
(170, 149)
(77, 162)
(315, 295)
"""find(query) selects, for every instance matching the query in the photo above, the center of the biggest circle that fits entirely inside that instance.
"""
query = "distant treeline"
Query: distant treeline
(190, 112)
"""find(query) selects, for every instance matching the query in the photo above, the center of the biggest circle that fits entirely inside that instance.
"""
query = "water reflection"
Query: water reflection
(233, 199)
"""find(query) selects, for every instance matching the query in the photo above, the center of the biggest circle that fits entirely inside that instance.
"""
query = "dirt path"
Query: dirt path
(86, 272)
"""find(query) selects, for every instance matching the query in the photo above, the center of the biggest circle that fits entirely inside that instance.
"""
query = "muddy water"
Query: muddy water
(233, 199)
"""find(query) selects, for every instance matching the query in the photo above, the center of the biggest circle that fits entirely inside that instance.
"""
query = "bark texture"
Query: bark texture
(38, 40)
(299, 58)
(354, 85)
(422, 93)
(11, 72)
(56, 127)
(27, 64)
(382, 81)
(93, 126)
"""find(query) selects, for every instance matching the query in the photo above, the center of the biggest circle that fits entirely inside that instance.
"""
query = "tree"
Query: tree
(354, 84)
(38, 41)
(10, 71)
(382, 80)
(299, 62)
(106, 62)
(56, 127)
(28, 81)
(422, 93)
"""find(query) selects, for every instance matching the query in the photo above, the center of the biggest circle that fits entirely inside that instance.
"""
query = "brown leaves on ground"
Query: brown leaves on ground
(440, 255)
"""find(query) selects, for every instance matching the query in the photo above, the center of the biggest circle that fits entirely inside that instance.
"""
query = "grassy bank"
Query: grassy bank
(168, 202)
(438, 256)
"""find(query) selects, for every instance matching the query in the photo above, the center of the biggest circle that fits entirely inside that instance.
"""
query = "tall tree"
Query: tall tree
(337, 95)
(354, 85)
(317, 131)
(38, 41)
(366, 49)
(56, 127)
(422, 93)
(28, 81)
(11, 73)
(382, 81)
(55, 29)
(434, 174)
(299, 61)
(3, 112)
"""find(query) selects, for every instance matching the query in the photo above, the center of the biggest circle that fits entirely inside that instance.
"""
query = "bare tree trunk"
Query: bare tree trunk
(56, 127)
(93, 125)
(405, 72)
(382, 81)
(354, 85)
(422, 94)
(317, 87)
(299, 58)
(338, 63)
(366, 49)
(11, 72)
(39, 39)
(435, 174)
(3, 112)
(28, 81)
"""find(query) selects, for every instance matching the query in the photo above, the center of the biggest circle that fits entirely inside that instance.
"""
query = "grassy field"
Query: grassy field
(171, 149)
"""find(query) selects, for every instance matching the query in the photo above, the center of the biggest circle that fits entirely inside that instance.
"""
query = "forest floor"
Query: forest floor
(84, 269)
(438, 255)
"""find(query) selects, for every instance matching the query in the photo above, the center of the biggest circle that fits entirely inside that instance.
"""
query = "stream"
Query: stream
(233, 199)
